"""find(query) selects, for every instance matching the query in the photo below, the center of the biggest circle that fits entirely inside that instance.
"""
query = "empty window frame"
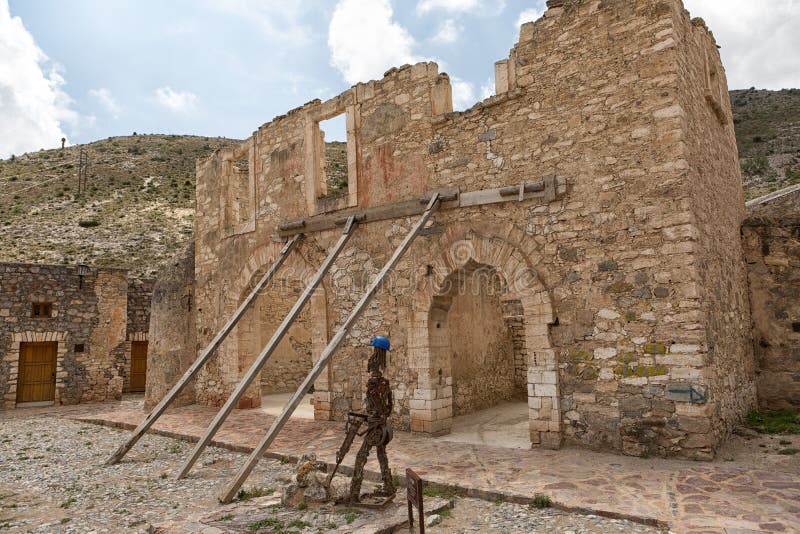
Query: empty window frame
(42, 310)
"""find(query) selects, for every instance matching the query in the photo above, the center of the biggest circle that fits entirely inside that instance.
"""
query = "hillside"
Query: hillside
(137, 210)
(768, 135)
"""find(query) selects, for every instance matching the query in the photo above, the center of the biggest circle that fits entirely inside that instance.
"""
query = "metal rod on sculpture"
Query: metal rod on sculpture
(204, 356)
(231, 490)
(262, 358)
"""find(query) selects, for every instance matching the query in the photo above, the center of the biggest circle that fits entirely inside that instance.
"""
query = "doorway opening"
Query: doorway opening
(478, 329)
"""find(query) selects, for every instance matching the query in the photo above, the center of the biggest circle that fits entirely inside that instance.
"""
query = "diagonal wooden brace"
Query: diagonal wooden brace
(230, 491)
(204, 356)
(262, 358)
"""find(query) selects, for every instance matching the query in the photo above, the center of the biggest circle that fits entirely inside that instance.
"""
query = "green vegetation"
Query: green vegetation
(268, 522)
(439, 491)
(226, 517)
(252, 493)
(88, 223)
(777, 422)
(789, 452)
(541, 501)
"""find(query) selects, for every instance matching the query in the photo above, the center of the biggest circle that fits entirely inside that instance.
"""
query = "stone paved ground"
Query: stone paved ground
(757, 491)
(52, 481)
(52, 478)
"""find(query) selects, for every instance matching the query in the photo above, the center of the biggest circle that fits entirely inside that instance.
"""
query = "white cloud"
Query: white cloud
(365, 41)
(529, 15)
(285, 21)
(106, 100)
(460, 6)
(463, 94)
(448, 32)
(33, 107)
(487, 89)
(176, 101)
(759, 40)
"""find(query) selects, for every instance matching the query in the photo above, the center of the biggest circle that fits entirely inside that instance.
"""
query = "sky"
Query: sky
(90, 69)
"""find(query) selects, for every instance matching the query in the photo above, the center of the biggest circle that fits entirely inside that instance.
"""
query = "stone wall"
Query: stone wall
(480, 342)
(722, 357)
(771, 236)
(140, 294)
(633, 336)
(172, 336)
(89, 317)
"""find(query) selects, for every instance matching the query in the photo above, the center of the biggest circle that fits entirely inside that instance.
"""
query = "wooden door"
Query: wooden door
(37, 372)
(138, 366)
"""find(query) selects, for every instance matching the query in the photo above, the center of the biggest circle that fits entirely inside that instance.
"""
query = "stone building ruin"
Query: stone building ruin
(71, 334)
(613, 300)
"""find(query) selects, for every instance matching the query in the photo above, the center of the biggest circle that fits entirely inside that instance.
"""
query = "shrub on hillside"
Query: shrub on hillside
(89, 223)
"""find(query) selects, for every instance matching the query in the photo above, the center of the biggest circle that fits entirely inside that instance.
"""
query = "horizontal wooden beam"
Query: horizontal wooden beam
(451, 198)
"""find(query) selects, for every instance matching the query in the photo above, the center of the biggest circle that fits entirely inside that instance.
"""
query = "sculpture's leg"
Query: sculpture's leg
(386, 473)
(358, 469)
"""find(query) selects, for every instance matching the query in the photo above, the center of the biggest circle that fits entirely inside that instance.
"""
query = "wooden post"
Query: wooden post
(262, 358)
(415, 498)
(204, 356)
(230, 491)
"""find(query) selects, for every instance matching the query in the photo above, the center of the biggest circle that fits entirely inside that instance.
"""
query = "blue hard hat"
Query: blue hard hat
(380, 341)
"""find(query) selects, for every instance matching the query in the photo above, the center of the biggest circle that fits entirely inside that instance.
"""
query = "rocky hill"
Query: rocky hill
(768, 135)
(138, 206)
(136, 211)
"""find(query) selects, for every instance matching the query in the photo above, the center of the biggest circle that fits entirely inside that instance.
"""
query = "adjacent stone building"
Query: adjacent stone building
(68, 334)
(611, 296)
(771, 236)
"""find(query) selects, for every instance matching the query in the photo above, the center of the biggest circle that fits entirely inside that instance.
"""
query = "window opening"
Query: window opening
(42, 310)
(334, 178)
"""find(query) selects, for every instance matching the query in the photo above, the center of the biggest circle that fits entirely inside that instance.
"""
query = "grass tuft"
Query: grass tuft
(541, 501)
(776, 422)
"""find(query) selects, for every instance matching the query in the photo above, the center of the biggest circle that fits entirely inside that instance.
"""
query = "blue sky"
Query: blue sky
(89, 69)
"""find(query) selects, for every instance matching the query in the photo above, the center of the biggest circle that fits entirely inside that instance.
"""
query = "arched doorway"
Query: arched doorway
(476, 341)
(483, 334)
(294, 356)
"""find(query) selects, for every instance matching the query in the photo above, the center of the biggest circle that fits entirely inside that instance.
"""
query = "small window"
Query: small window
(42, 310)
(334, 176)
(80, 347)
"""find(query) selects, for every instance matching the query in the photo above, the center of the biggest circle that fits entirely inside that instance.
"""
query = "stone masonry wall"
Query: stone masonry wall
(773, 257)
(140, 294)
(481, 345)
(622, 278)
(91, 313)
(172, 345)
(721, 356)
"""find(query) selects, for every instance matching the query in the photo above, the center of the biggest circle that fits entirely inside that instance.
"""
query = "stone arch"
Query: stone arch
(247, 340)
(503, 248)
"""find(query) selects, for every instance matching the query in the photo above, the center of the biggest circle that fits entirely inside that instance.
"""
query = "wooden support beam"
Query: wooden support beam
(204, 356)
(262, 358)
(548, 190)
(230, 491)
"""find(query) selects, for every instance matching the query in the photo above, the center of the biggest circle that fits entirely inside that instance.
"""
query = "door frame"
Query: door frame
(130, 367)
(41, 402)
(17, 338)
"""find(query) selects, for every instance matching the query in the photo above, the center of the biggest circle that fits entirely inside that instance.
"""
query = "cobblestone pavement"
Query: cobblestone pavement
(743, 493)
(52, 478)
(473, 515)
